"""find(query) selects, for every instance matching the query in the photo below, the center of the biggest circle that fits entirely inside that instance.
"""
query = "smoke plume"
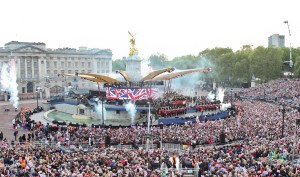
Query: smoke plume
(9, 81)
(188, 84)
(225, 106)
(220, 94)
(131, 109)
(211, 96)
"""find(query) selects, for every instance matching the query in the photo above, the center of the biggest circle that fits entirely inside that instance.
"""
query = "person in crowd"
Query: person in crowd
(256, 144)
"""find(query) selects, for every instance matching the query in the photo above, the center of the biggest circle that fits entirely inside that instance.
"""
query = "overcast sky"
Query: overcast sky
(171, 27)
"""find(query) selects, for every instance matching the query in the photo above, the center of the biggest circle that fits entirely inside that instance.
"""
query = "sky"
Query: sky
(171, 27)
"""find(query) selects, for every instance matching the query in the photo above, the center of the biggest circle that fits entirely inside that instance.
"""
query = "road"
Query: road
(7, 117)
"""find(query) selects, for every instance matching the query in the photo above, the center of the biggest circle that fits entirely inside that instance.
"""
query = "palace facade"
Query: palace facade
(38, 66)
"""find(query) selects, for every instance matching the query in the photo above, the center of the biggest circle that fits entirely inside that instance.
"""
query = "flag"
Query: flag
(133, 94)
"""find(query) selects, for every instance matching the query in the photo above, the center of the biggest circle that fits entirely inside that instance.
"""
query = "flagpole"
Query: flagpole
(148, 127)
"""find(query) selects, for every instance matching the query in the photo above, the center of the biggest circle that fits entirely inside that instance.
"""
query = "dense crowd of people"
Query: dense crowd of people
(259, 143)
(275, 90)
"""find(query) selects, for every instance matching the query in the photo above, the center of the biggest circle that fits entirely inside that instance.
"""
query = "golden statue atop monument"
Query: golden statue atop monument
(132, 42)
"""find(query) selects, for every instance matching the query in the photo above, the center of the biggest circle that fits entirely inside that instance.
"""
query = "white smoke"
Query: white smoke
(225, 106)
(5, 81)
(68, 89)
(211, 96)
(9, 81)
(131, 109)
(220, 94)
(145, 68)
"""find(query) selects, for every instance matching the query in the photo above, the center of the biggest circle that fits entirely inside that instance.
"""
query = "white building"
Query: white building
(276, 40)
(38, 66)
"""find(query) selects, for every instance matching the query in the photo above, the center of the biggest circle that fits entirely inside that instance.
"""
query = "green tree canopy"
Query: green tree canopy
(118, 65)
(158, 61)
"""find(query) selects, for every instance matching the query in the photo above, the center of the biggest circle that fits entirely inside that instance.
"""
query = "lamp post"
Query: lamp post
(37, 90)
(161, 134)
(148, 127)
(291, 61)
(283, 110)
(102, 100)
(231, 96)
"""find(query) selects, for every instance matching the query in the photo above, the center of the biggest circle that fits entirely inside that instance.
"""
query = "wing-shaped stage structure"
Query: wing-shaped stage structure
(176, 74)
(94, 77)
(153, 74)
(166, 74)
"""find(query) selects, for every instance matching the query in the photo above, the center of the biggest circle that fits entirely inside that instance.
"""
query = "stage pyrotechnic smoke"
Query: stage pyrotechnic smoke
(9, 81)
(220, 94)
(131, 109)
(225, 106)
(99, 110)
(211, 96)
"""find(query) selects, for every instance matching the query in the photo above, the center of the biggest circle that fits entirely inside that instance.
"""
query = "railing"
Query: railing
(71, 100)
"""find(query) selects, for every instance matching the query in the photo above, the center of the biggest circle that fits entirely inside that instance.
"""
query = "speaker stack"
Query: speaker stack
(222, 138)
(107, 141)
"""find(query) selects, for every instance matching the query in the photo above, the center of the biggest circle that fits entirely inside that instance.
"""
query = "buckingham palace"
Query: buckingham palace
(38, 66)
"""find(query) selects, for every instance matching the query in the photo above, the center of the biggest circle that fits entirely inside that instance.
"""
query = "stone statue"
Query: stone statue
(132, 42)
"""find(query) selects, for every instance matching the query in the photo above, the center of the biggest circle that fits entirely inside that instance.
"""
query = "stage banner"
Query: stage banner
(133, 94)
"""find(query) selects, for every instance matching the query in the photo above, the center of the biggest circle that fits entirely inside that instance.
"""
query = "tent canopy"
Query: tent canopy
(156, 73)
(180, 73)
(94, 77)
(153, 76)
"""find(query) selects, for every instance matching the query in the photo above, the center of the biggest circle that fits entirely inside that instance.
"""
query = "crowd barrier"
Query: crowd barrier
(182, 120)
(76, 146)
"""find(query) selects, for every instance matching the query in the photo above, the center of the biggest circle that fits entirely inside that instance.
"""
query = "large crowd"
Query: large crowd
(276, 89)
(257, 144)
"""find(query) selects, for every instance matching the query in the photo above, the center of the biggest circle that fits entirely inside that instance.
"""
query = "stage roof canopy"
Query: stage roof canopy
(156, 73)
(179, 73)
(94, 77)
(153, 76)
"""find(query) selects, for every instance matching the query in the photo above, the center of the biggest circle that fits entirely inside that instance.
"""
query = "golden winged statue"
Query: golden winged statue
(133, 49)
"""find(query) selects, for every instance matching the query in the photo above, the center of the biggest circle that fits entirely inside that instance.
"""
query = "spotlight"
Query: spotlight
(117, 72)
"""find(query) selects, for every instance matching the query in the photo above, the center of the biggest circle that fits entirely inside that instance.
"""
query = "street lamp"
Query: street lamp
(148, 127)
(37, 90)
(102, 100)
(291, 61)
(161, 126)
(283, 110)
(231, 96)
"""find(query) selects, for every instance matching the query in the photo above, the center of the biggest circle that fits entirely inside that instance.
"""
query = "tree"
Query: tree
(118, 65)
(158, 61)
(215, 53)
(266, 63)
(184, 62)
(297, 67)
(216, 58)
(241, 68)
